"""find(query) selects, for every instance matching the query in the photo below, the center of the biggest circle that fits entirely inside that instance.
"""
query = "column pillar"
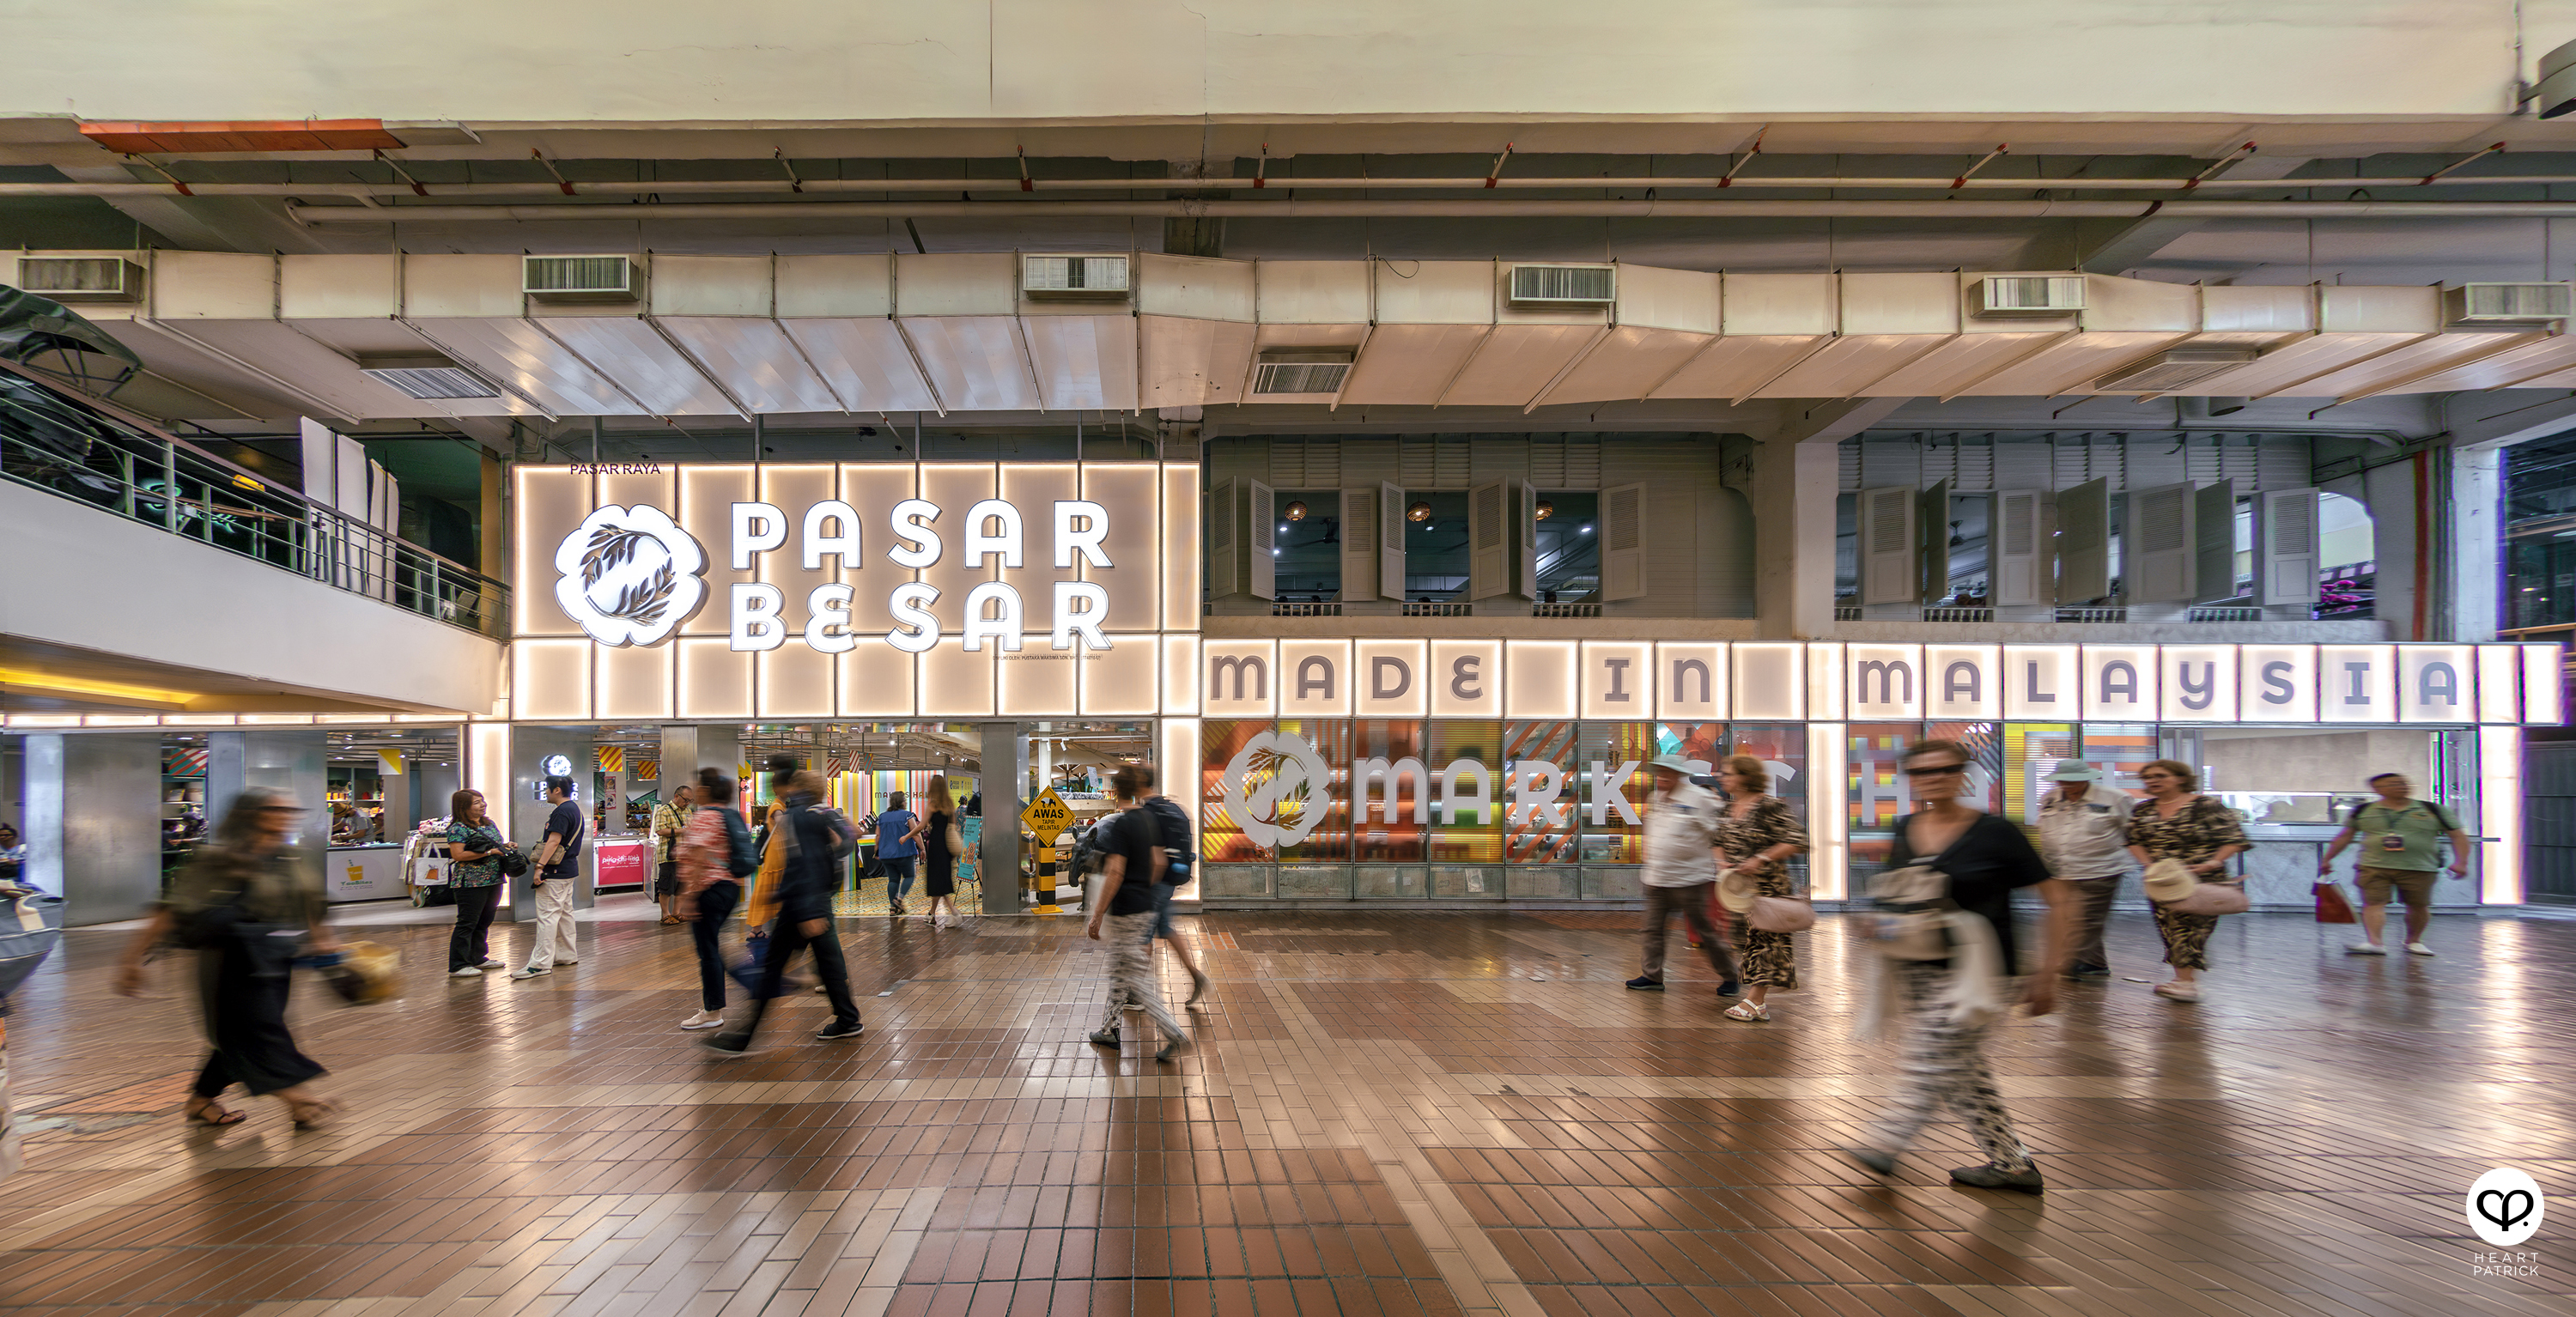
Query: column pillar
(1002, 776)
(2472, 558)
(1792, 491)
(2401, 544)
(293, 761)
(720, 744)
(93, 827)
(525, 811)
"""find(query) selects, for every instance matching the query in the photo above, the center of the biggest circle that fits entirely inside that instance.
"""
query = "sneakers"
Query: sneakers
(1876, 1161)
(529, 972)
(1996, 1177)
(2365, 949)
(1643, 984)
(2418, 949)
(703, 1020)
(1198, 987)
(1730, 988)
(491, 964)
(2178, 991)
(840, 1029)
(727, 1044)
(2088, 974)
(1172, 1049)
(562, 963)
(469, 972)
(1104, 1037)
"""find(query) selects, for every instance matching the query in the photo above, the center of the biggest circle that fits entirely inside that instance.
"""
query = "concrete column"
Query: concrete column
(94, 823)
(1005, 760)
(291, 760)
(2399, 544)
(720, 744)
(2472, 558)
(680, 760)
(1792, 492)
(526, 811)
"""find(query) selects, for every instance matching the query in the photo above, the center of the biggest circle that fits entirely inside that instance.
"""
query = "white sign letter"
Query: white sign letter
(1381, 789)
(909, 603)
(1004, 625)
(917, 544)
(845, 544)
(757, 528)
(1607, 796)
(980, 545)
(1086, 620)
(1095, 528)
(827, 619)
(756, 624)
(1535, 786)
(1479, 806)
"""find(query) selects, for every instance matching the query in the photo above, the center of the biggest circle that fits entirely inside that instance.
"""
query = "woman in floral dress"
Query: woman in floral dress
(1757, 833)
(2176, 822)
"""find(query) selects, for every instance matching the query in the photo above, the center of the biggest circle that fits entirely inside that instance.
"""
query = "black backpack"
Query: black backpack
(1181, 862)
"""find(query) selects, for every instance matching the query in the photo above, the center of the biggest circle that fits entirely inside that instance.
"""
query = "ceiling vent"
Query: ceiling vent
(2030, 295)
(579, 278)
(426, 376)
(81, 278)
(2507, 306)
(1564, 285)
(1302, 370)
(1074, 278)
(2175, 368)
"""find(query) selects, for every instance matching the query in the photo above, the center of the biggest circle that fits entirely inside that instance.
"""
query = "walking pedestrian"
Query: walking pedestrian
(1683, 856)
(248, 909)
(2403, 854)
(1947, 888)
(810, 845)
(558, 865)
(898, 846)
(2175, 822)
(715, 855)
(939, 862)
(1173, 867)
(1126, 904)
(669, 818)
(2084, 835)
(1756, 833)
(474, 875)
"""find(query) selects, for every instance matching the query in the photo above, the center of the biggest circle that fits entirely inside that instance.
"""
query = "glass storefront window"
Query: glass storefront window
(1473, 748)
(1540, 800)
(2032, 751)
(2312, 776)
(1985, 761)
(1607, 836)
(2120, 750)
(1873, 788)
(1782, 748)
(1391, 791)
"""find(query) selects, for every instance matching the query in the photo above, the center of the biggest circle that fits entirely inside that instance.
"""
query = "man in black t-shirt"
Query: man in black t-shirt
(558, 866)
(1126, 903)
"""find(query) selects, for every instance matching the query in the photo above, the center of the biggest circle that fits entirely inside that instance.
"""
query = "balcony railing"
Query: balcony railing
(74, 449)
(1308, 609)
(1439, 610)
(1565, 610)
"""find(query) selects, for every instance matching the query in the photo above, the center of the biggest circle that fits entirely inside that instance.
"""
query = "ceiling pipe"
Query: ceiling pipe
(1462, 209)
(811, 186)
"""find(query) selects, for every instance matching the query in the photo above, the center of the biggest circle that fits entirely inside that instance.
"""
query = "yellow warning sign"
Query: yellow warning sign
(1047, 816)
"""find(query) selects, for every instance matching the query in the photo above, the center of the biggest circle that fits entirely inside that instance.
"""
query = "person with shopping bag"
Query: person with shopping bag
(1757, 834)
(2403, 857)
(2197, 834)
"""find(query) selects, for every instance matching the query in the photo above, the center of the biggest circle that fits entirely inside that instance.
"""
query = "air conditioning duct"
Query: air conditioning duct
(2507, 306)
(2029, 295)
(1302, 370)
(425, 375)
(81, 278)
(1074, 278)
(579, 278)
(2175, 368)
(1564, 285)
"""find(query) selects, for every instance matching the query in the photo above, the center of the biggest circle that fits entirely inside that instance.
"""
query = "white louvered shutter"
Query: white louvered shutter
(1488, 540)
(2017, 547)
(1359, 544)
(1225, 540)
(2288, 541)
(1887, 537)
(2084, 542)
(1623, 542)
(1261, 538)
(2213, 543)
(1524, 542)
(2157, 552)
(1932, 522)
(1390, 541)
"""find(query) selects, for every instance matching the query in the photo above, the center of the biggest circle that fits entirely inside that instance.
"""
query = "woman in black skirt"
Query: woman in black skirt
(940, 810)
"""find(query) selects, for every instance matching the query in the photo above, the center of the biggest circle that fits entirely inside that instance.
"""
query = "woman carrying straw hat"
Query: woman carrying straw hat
(1756, 832)
(2175, 822)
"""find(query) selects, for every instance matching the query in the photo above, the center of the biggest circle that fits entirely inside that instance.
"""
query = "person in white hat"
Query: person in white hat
(1682, 859)
(2083, 832)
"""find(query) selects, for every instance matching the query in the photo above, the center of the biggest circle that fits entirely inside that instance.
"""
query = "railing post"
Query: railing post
(170, 488)
(125, 478)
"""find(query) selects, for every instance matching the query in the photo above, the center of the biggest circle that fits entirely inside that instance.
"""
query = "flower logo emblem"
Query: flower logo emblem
(629, 575)
(1275, 789)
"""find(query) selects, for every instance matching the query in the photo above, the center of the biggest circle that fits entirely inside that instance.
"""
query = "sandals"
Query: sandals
(668, 920)
(307, 1115)
(215, 1113)
(1748, 1012)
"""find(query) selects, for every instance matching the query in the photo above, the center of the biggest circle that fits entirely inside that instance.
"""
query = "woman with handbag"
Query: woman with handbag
(939, 846)
(1757, 832)
(248, 910)
(714, 853)
(2175, 822)
(474, 848)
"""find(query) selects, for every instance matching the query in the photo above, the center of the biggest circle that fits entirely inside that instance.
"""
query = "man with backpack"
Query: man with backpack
(1175, 863)
(2403, 853)
(1126, 904)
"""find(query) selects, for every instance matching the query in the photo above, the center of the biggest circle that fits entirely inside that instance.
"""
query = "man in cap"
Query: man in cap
(1682, 859)
(2083, 830)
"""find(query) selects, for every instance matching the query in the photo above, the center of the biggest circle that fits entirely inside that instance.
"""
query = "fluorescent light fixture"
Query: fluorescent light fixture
(2175, 368)
(427, 376)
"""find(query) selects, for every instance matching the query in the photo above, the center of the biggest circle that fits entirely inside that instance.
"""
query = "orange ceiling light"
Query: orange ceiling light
(207, 138)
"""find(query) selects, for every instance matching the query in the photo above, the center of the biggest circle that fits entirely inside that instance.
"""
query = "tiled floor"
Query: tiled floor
(1390, 1113)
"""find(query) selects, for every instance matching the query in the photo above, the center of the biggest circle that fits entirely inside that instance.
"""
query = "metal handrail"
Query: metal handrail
(89, 452)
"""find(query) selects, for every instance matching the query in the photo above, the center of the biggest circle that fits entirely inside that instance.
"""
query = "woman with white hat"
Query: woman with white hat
(2177, 823)
(1757, 832)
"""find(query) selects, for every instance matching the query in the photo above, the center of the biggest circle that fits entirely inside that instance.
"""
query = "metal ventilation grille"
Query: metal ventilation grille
(1887, 524)
(2030, 294)
(1074, 276)
(2018, 522)
(1264, 535)
(1622, 519)
(81, 278)
(2294, 526)
(1301, 372)
(434, 382)
(578, 276)
(2161, 526)
(1585, 285)
(2516, 302)
(2175, 369)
